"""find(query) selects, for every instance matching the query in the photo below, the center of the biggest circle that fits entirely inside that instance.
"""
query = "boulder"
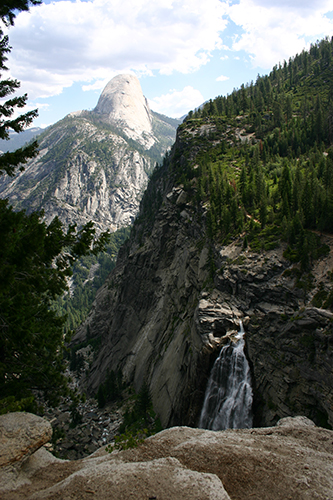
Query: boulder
(291, 460)
(21, 434)
(163, 479)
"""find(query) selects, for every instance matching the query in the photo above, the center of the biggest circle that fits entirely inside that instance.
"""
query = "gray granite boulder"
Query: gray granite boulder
(21, 434)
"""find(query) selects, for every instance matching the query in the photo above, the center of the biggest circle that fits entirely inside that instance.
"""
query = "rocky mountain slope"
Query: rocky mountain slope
(230, 229)
(164, 311)
(291, 460)
(95, 165)
(144, 315)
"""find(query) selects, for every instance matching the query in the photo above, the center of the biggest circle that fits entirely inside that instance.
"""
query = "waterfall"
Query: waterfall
(228, 398)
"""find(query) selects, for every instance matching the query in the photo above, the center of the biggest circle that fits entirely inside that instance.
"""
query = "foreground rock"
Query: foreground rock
(291, 460)
(21, 435)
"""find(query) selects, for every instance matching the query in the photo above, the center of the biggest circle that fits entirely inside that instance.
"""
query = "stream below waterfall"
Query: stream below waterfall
(228, 397)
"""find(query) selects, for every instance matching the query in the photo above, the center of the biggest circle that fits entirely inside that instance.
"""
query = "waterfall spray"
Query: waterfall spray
(228, 398)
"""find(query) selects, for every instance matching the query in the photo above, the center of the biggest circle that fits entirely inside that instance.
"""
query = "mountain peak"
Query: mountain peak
(123, 105)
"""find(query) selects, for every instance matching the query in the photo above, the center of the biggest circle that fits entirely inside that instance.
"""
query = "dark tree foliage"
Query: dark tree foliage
(35, 263)
(9, 9)
(111, 389)
(265, 164)
(9, 162)
(36, 260)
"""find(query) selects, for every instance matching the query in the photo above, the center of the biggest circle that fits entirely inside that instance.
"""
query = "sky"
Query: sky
(184, 52)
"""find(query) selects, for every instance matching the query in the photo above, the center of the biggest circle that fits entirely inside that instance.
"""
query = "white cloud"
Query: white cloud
(98, 84)
(274, 30)
(28, 107)
(63, 42)
(302, 5)
(222, 78)
(40, 105)
(177, 103)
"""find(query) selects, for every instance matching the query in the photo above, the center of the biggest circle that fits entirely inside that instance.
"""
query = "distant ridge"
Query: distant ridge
(18, 140)
(94, 165)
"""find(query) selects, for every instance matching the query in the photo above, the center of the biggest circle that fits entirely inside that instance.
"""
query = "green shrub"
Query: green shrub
(10, 404)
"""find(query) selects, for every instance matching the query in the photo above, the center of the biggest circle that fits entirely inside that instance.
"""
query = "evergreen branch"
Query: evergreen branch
(7, 109)
(9, 8)
(18, 125)
(11, 160)
(8, 86)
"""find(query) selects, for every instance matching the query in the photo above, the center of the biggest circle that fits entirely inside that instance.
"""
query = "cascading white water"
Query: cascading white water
(228, 398)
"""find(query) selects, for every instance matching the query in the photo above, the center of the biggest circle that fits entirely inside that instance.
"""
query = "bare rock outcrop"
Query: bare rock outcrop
(95, 165)
(21, 435)
(291, 460)
(123, 105)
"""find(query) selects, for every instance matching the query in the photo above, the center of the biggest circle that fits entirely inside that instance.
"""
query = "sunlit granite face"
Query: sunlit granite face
(123, 105)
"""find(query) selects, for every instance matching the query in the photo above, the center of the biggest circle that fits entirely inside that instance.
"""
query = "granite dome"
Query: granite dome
(123, 105)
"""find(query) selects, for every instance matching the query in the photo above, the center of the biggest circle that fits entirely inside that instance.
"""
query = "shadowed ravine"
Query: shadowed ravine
(228, 398)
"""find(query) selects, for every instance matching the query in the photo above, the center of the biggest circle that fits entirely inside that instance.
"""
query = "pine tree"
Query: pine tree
(288, 108)
(35, 262)
(9, 162)
(34, 268)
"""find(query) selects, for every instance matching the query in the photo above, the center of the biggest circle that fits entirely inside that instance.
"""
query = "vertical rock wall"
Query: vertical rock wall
(175, 296)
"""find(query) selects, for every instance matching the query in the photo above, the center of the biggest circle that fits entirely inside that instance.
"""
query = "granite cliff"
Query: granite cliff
(123, 105)
(176, 295)
(95, 165)
(235, 225)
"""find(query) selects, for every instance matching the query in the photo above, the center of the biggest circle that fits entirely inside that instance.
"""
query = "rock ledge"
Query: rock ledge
(291, 460)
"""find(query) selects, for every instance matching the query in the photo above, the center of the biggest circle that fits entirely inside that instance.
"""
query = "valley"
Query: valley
(166, 284)
(228, 231)
(233, 225)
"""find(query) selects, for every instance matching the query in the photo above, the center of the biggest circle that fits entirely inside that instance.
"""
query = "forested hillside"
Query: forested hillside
(264, 163)
(89, 274)
(230, 228)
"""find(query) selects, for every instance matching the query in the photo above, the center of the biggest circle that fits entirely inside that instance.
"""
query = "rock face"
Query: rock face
(21, 434)
(291, 460)
(145, 314)
(95, 165)
(289, 342)
(292, 363)
(174, 298)
(123, 105)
